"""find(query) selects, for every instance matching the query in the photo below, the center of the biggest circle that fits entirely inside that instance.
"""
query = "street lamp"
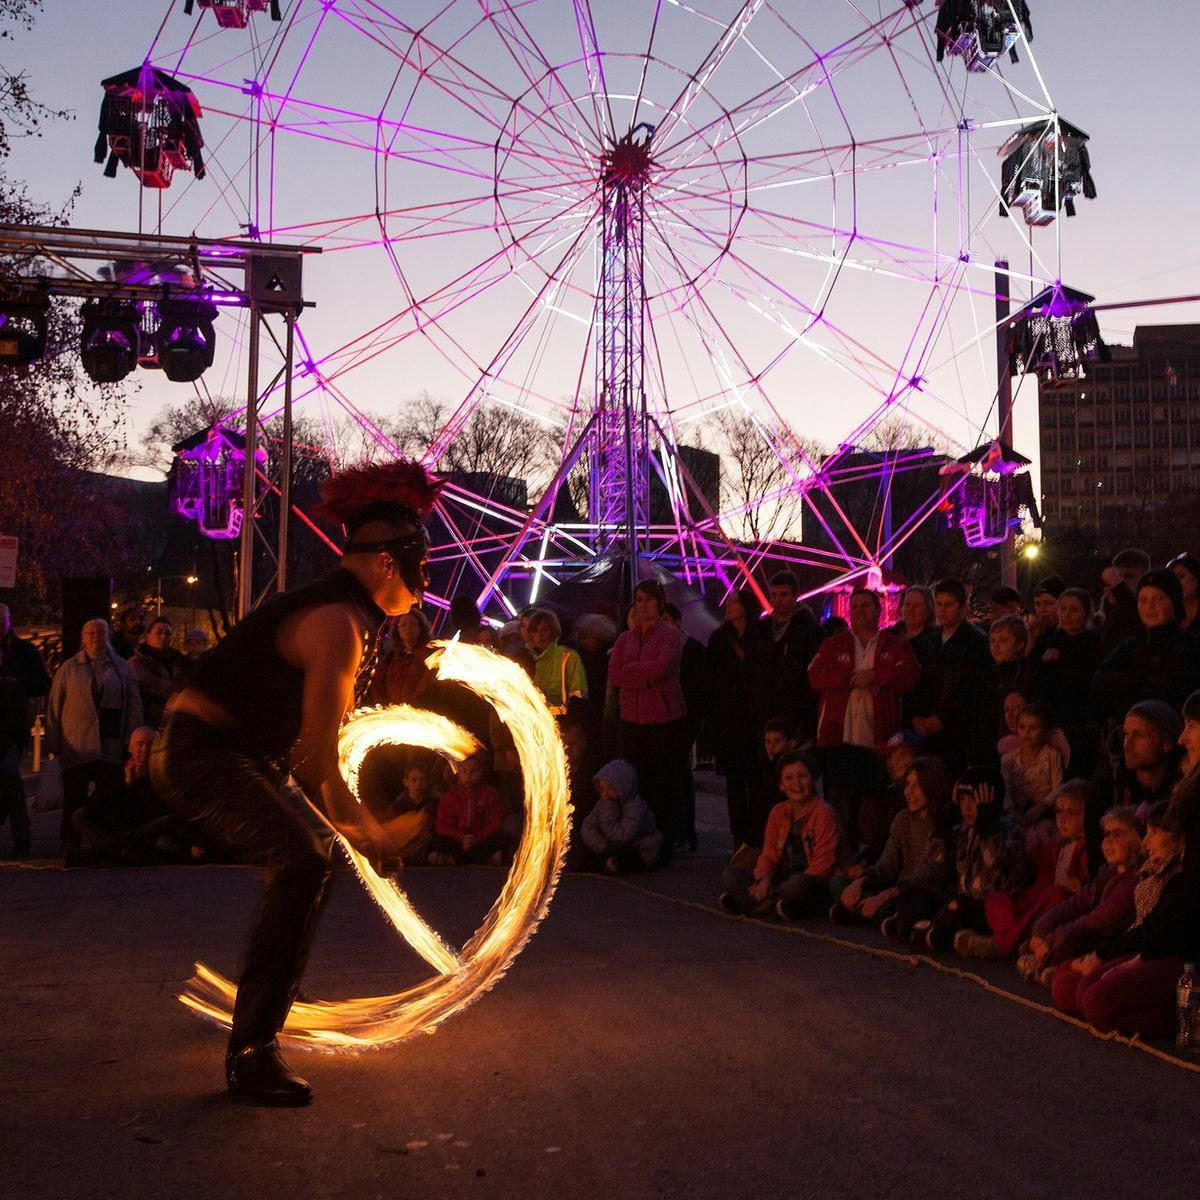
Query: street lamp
(1030, 554)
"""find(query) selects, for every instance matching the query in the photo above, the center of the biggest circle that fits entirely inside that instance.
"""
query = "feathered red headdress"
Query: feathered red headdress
(347, 496)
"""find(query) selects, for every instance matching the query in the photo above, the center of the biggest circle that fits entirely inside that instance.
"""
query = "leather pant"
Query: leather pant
(237, 801)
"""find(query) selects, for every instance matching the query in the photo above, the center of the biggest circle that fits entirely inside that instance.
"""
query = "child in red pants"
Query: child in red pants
(1128, 983)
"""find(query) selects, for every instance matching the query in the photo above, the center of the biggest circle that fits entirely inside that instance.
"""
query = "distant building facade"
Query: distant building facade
(1126, 439)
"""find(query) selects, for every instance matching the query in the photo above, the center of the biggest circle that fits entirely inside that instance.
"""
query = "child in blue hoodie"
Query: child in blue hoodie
(619, 834)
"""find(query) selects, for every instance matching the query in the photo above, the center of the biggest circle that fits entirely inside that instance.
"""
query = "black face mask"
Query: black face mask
(410, 552)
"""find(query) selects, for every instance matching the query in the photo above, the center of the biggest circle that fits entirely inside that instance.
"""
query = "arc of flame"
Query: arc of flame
(460, 978)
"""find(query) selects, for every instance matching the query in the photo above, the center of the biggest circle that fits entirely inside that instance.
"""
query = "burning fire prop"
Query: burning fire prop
(461, 976)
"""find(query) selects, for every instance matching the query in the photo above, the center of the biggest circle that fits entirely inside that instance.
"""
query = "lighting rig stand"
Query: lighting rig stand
(146, 269)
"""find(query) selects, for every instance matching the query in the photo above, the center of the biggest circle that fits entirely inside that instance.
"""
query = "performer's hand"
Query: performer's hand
(760, 889)
(371, 840)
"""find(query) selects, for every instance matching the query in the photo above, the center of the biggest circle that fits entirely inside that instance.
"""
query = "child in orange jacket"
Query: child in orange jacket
(801, 851)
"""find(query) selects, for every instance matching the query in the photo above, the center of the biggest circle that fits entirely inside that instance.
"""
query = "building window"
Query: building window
(1049, 441)
(1104, 438)
(1141, 436)
(1160, 436)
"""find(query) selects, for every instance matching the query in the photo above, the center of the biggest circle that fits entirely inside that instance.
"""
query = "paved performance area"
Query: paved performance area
(638, 1048)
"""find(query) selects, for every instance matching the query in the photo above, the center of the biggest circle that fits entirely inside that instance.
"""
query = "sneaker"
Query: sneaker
(969, 944)
(436, 859)
(1026, 967)
(612, 866)
(729, 904)
(890, 927)
(919, 937)
(782, 912)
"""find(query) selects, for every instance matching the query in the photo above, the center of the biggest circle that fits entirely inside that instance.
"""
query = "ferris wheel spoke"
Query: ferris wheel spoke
(575, 130)
(718, 338)
(678, 109)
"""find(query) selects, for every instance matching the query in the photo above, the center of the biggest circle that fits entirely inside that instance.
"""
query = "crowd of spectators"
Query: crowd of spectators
(1023, 785)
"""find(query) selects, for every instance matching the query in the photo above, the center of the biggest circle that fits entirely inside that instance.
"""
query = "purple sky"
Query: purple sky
(1130, 82)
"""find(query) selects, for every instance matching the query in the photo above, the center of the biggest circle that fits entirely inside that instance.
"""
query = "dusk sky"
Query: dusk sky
(1126, 74)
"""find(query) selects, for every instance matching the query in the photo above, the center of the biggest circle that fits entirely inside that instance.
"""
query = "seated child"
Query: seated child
(1014, 702)
(1076, 926)
(801, 851)
(409, 818)
(619, 833)
(469, 818)
(1033, 770)
(1128, 982)
(1060, 868)
(877, 811)
(989, 855)
(914, 863)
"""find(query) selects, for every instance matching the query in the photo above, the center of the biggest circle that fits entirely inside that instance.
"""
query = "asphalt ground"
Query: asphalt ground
(643, 1045)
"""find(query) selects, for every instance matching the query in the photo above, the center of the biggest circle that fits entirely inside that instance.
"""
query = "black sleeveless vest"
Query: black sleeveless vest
(246, 676)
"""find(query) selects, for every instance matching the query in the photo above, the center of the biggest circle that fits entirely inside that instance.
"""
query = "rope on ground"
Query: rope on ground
(914, 961)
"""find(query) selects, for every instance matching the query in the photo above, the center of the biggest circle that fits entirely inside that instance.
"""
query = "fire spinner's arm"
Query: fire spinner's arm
(326, 644)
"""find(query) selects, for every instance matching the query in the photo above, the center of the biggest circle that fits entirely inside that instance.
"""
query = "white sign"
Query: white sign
(8, 561)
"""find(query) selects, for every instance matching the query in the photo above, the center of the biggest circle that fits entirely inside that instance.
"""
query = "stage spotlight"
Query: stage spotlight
(109, 341)
(23, 311)
(185, 338)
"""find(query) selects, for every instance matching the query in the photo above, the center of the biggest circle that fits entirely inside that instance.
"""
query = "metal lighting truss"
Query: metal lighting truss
(263, 280)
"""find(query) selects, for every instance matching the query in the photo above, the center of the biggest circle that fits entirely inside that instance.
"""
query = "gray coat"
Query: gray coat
(73, 720)
(615, 824)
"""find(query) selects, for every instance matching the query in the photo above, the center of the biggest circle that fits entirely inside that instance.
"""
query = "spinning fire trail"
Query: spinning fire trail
(460, 976)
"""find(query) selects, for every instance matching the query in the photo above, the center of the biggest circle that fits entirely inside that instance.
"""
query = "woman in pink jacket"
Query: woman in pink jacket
(653, 735)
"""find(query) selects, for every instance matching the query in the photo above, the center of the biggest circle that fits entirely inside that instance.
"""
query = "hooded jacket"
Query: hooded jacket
(626, 821)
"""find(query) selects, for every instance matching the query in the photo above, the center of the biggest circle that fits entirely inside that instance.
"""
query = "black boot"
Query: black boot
(259, 1074)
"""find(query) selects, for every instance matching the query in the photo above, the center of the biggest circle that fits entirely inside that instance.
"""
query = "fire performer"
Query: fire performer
(266, 703)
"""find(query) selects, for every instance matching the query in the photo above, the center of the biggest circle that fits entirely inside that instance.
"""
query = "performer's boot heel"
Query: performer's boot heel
(259, 1075)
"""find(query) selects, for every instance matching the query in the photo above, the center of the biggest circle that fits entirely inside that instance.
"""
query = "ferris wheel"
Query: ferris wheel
(635, 224)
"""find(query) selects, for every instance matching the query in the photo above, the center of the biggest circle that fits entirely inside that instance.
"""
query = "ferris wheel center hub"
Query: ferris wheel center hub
(627, 163)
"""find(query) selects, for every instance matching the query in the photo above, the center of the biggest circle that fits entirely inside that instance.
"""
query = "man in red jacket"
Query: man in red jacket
(861, 675)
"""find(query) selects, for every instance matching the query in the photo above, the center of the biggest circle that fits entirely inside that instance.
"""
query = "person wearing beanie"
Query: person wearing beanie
(1160, 663)
(1187, 571)
(1044, 619)
(266, 704)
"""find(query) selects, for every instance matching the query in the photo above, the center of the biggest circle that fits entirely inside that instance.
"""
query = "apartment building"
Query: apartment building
(1128, 436)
